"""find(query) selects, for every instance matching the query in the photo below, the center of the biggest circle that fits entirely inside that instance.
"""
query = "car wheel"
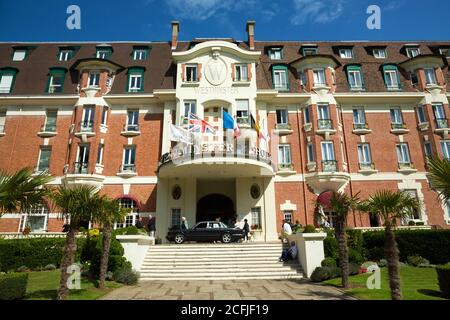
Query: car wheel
(226, 238)
(179, 238)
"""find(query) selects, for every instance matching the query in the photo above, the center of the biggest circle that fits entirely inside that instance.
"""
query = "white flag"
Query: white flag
(180, 135)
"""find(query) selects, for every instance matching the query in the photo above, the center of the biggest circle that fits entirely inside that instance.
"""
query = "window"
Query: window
(44, 159)
(355, 78)
(414, 78)
(7, 79)
(19, 54)
(328, 158)
(175, 218)
(132, 120)
(412, 52)
(191, 73)
(364, 155)
(2, 120)
(280, 78)
(359, 118)
(35, 219)
(140, 53)
(396, 117)
(242, 111)
(284, 154)
(56, 78)
(346, 53)
(94, 79)
(288, 215)
(430, 77)
(421, 114)
(276, 53)
(240, 72)
(416, 214)
(129, 158)
(439, 114)
(65, 54)
(303, 78)
(307, 115)
(104, 116)
(391, 77)
(190, 106)
(380, 53)
(428, 149)
(403, 154)
(282, 116)
(50, 121)
(319, 77)
(136, 79)
(324, 117)
(81, 166)
(310, 152)
(100, 149)
(133, 216)
(445, 146)
(256, 218)
(445, 52)
(87, 125)
(309, 51)
(103, 53)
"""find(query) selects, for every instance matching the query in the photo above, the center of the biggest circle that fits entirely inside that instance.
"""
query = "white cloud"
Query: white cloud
(199, 10)
(393, 5)
(319, 11)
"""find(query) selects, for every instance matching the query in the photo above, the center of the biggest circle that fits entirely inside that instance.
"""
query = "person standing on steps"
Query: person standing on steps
(184, 224)
(286, 231)
(151, 226)
(246, 229)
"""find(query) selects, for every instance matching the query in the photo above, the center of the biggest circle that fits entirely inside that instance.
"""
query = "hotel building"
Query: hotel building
(354, 117)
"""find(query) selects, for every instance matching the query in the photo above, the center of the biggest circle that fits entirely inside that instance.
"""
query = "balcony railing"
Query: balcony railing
(366, 166)
(242, 120)
(285, 166)
(398, 126)
(283, 126)
(48, 128)
(80, 167)
(325, 124)
(127, 168)
(87, 126)
(406, 165)
(360, 126)
(131, 128)
(441, 123)
(329, 166)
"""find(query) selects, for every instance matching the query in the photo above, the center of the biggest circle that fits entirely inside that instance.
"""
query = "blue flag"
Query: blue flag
(228, 121)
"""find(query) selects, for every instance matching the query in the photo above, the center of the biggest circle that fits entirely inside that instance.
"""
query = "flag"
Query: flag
(256, 126)
(180, 135)
(230, 123)
(196, 124)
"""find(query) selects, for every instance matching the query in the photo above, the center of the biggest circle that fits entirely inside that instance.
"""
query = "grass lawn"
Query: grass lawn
(416, 284)
(42, 285)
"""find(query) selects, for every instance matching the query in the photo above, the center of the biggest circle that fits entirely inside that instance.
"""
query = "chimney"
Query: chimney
(251, 34)
(175, 32)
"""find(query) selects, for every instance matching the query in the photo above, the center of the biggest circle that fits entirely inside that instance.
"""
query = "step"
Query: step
(220, 273)
(224, 262)
(255, 277)
(221, 269)
(212, 249)
(216, 245)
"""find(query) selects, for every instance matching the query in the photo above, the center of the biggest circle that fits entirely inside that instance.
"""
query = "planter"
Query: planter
(257, 235)
(310, 250)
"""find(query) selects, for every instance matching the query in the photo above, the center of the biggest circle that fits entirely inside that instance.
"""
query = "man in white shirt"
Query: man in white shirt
(287, 228)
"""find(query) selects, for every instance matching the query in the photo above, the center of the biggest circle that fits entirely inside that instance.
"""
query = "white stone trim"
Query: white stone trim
(413, 185)
(288, 206)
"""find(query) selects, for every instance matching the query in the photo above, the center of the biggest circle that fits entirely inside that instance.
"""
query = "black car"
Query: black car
(206, 231)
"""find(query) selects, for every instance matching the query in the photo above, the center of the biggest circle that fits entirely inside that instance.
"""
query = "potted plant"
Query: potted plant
(26, 231)
(256, 232)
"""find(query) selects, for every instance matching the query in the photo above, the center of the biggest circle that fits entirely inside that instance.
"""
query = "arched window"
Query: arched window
(36, 219)
(132, 217)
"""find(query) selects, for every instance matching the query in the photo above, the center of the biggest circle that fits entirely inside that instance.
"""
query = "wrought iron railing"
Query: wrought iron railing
(87, 126)
(329, 165)
(325, 124)
(442, 123)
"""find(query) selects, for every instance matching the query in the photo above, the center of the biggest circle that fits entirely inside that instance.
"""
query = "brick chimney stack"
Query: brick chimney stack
(175, 32)
(251, 34)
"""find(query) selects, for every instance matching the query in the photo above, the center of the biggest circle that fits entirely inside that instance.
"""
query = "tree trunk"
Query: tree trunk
(105, 255)
(392, 257)
(343, 253)
(70, 248)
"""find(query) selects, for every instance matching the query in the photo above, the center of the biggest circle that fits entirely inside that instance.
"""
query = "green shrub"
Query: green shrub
(355, 239)
(353, 269)
(23, 269)
(330, 247)
(129, 231)
(309, 229)
(443, 273)
(433, 245)
(50, 267)
(13, 286)
(355, 256)
(411, 223)
(126, 276)
(329, 262)
(416, 261)
(382, 263)
(320, 274)
(335, 272)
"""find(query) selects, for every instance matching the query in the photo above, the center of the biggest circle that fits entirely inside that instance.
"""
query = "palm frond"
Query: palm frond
(439, 176)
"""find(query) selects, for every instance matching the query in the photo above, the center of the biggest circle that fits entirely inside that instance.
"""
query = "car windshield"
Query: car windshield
(200, 225)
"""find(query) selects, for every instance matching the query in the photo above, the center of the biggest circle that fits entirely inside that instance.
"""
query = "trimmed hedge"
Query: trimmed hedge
(13, 286)
(433, 245)
(35, 253)
(443, 273)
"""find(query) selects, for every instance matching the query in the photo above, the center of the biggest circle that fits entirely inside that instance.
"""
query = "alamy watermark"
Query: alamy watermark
(74, 280)
(374, 281)
(73, 21)
(374, 20)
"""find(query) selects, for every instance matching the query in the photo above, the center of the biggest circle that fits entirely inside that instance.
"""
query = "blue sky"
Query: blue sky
(149, 20)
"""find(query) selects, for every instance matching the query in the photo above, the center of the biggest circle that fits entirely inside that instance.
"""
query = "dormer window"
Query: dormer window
(280, 78)
(412, 52)
(19, 54)
(319, 77)
(430, 77)
(346, 53)
(65, 54)
(445, 52)
(309, 51)
(355, 78)
(276, 53)
(391, 77)
(136, 79)
(103, 53)
(191, 73)
(380, 53)
(140, 53)
(7, 79)
(94, 79)
(55, 83)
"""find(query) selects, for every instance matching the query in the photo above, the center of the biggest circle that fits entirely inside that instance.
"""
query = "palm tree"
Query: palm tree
(77, 204)
(111, 212)
(22, 190)
(439, 176)
(341, 204)
(391, 206)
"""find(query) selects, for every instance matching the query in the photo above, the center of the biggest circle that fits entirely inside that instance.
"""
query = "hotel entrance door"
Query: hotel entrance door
(215, 206)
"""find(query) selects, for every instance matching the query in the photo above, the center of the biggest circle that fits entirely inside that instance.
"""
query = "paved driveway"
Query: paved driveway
(228, 290)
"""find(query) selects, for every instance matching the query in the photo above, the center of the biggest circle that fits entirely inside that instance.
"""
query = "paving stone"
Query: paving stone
(276, 296)
(211, 288)
(227, 295)
(252, 291)
(198, 296)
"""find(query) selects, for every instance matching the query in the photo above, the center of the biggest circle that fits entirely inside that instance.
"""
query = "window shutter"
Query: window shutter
(199, 70)
(249, 71)
(183, 72)
(233, 76)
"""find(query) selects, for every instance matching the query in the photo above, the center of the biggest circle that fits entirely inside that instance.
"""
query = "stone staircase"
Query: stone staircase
(218, 262)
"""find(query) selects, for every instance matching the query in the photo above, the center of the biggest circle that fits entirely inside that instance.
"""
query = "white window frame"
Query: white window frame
(396, 115)
(346, 53)
(175, 216)
(190, 106)
(127, 160)
(284, 154)
(307, 115)
(288, 213)
(132, 121)
(19, 55)
(413, 52)
(357, 78)
(310, 152)
(421, 113)
(393, 77)
(241, 72)
(46, 148)
(100, 152)
(282, 116)
(243, 111)
(132, 217)
(445, 52)
(380, 53)
(88, 116)
(2, 120)
(323, 112)
(445, 147)
(102, 53)
(319, 77)
(439, 111)
(94, 79)
(139, 54)
(255, 216)
(47, 112)
(41, 212)
(52, 86)
(430, 76)
(403, 155)
(280, 80)
(83, 152)
(364, 154)
(191, 73)
(64, 55)
(276, 53)
(7, 85)
(359, 116)
(104, 121)
(135, 79)
(327, 148)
